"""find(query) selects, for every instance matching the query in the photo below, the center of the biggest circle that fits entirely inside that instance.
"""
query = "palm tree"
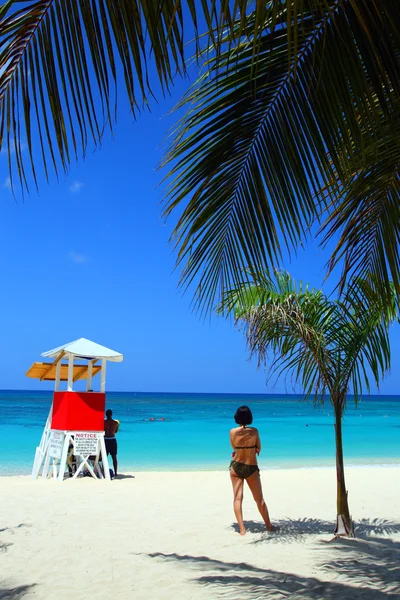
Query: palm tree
(294, 114)
(330, 346)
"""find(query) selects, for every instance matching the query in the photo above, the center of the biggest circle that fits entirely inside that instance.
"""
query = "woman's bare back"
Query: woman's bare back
(246, 443)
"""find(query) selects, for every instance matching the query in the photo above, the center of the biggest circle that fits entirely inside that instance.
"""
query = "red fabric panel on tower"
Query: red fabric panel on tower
(78, 411)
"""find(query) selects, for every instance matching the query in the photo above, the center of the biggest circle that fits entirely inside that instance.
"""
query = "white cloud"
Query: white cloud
(78, 258)
(76, 187)
(7, 183)
(4, 149)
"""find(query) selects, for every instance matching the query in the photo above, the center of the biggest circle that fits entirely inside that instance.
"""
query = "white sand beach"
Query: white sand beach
(173, 535)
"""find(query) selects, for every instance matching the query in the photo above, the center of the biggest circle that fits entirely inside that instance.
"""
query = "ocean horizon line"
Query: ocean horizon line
(274, 394)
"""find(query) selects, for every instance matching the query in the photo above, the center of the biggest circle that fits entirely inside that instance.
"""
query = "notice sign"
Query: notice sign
(85, 443)
(56, 444)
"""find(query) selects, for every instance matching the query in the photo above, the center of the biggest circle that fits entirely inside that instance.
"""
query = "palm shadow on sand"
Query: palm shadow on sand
(376, 559)
(377, 563)
(365, 568)
(296, 530)
(14, 593)
(12, 529)
(4, 545)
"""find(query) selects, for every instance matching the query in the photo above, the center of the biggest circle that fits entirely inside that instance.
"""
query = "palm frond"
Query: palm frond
(260, 138)
(328, 345)
(365, 332)
(366, 214)
(60, 61)
(285, 325)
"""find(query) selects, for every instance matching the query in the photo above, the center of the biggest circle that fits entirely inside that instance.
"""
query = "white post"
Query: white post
(70, 372)
(89, 376)
(64, 455)
(45, 470)
(103, 376)
(58, 376)
(43, 441)
(42, 448)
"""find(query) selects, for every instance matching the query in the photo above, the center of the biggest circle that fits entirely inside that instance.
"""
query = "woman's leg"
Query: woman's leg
(238, 484)
(254, 482)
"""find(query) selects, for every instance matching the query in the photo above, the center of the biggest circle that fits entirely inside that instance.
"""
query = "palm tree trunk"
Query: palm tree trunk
(344, 524)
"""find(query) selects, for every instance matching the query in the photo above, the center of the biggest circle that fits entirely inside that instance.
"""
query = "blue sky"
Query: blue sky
(89, 257)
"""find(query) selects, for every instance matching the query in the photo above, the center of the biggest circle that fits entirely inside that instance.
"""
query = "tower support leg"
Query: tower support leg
(64, 455)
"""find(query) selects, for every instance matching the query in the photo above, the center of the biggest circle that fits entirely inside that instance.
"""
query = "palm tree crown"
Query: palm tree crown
(329, 346)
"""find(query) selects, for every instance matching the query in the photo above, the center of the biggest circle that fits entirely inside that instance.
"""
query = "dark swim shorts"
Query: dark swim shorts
(111, 446)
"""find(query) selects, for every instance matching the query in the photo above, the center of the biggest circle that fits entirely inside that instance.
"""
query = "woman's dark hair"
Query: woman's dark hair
(243, 416)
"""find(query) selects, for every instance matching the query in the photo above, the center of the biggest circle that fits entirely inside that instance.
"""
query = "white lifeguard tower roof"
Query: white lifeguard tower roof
(85, 349)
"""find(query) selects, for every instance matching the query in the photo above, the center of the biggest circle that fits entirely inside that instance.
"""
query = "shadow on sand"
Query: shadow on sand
(12, 529)
(370, 562)
(15, 593)
(4, 545)
(376, 559)
(242, 580)
(297, 530)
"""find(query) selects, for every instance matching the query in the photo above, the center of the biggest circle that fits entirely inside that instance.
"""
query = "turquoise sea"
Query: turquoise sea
(191, 431)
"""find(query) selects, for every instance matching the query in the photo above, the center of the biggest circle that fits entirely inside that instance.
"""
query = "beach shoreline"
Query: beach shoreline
(166, 535)
(389, 463)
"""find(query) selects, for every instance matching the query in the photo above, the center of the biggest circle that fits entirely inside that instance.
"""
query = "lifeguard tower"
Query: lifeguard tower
(75, 425)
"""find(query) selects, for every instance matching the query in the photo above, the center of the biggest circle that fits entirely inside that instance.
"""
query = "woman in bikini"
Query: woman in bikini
(246, 444)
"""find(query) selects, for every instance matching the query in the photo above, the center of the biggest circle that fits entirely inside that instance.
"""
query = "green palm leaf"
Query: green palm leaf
(286, 326)
(60, 61)
(328, 345)
(262, 137)
(366, 211)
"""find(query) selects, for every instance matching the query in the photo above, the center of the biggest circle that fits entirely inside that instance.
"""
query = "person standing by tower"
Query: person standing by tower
(110, 429)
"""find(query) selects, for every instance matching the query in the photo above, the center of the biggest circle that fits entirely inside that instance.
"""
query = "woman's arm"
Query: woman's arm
(231, 438)
(258, 443)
